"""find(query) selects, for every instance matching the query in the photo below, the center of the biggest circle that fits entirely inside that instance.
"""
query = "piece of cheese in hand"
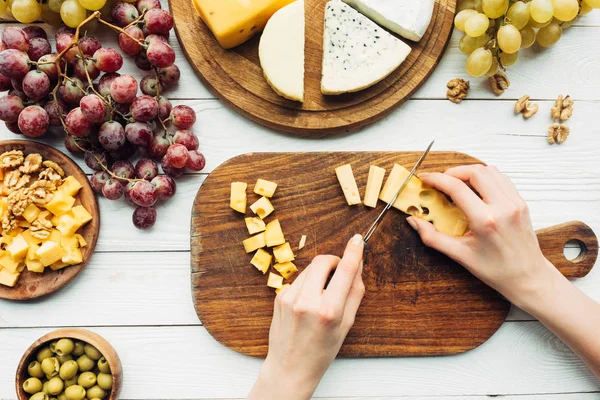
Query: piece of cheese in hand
(235, 21)
(424, 202)
(408, 18)
(262, 260)
(265, 188)
(357, 53)
(374, 182)
(283, 253)
(262, 207)
(254, 242)
(255, 225)
(281, 51)
(237, 201)
(275, 281)
(348, 184)
(274, 234)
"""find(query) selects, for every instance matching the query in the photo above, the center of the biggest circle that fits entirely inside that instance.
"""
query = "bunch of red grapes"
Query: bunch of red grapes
(78, 90)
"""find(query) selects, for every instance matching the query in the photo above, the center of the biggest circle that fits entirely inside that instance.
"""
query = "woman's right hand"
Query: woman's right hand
(501, 247)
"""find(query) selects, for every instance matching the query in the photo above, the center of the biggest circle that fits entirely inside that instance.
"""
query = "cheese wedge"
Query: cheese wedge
(357, 53)
(374, 182)
(407, 18)
(424, 202)
(235, 21)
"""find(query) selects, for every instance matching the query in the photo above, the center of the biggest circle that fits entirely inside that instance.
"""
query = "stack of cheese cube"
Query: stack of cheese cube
(266, 235)
(60, 249)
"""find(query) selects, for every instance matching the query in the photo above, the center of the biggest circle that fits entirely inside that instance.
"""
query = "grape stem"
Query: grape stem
(121, 30)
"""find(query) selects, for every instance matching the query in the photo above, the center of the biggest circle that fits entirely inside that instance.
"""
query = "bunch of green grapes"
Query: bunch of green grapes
(495, 30)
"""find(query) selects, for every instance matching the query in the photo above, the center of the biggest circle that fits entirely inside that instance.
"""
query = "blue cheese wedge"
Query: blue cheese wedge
(407, 18)
(357, 53)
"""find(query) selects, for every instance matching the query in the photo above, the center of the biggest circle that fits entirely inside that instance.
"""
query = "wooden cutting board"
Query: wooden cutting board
(236, 76)
(417, 301)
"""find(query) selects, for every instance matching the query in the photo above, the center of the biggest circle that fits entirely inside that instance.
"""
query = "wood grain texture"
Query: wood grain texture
(32, 285)
(84, 335)
(236, 76)
(418, 302)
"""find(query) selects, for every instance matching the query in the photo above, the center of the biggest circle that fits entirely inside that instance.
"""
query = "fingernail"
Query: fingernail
(356, 239)
(412, 223)
(423, 175)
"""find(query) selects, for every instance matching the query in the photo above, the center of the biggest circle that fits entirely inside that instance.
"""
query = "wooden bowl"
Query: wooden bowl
(78, 334)
(32, 285)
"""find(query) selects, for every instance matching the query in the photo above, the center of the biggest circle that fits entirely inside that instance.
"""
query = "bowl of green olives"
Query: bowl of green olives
(69, 364)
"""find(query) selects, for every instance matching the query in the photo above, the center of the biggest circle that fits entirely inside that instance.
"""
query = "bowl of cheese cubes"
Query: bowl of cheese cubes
(49, 220)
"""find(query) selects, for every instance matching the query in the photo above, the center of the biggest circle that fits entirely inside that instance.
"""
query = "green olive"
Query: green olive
(71, 382)
(39, 396)
(103, 366)
(50, 366)
(94, 392)
(104, 381)
(78, 349)
(32, 385)
(86, 380)
(52, 346)
(64, 347)
(45, 388)
(55, 385)
(92, 352)
(68, 370)
(85, 363)
(75, 393)
(64, 359)
(34, 369)
(44, 353)
(62, 396)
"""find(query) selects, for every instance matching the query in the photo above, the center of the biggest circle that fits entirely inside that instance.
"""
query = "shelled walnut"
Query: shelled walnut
(558, 133)
(498, 83)
(458, 90)
(526, 107)
(563, 108)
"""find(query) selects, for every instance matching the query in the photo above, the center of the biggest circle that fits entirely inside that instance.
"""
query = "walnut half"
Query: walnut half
(526, 107)
(558, 133)
(458, 90)
(498, 83)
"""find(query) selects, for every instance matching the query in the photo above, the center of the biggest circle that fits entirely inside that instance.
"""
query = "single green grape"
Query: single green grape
(3, 6)
(592, 3)
(541, 10)
(518, 14)
(92, 5)
(509, 59)
(509, 39)
(565, 10)
(549, 35)
(55, 5)
(476, 25)
(585, 8)
(527, 37)
(494, 68)
(468, 44)
(536, 25)
(461, 18)
(72, 13)
(494, 8)
(479, 62)
(466, 5)
(26, 11)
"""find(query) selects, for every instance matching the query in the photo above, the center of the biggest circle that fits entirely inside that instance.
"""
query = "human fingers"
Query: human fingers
(451, 246)
(341, 282)
(510, 190)
(482, 179)
(357, 292)
(317, 274)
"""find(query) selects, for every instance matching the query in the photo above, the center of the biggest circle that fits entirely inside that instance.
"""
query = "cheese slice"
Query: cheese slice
(407, 18)
(357, 53)
(237, 199)
(374, 182)
(348, 184)
(424, 202)
(281, 51)
(235, 21)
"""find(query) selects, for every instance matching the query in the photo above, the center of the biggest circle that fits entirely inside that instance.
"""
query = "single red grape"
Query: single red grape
(141, 61)
(124, 89)
(33, 121)
(183, 117)
(95, 159)
(112, 189)
(144, 217)
(64, 38)
(10, 108)
(105, 82)
(127, 44)
(55, 111)
(15, 38)
(165, 186)
(72, 91)
(196, 161)
(158, 146)
(143, 193)
(98, 180)
(171, 170)
(111, 135)
(150, 85)
(89, 45)
(47, 65)
(164, 107)
(146, 5)
(187, 138)
(93, 108)
(76, 144)
(124, 13)
(139, 133)
(144, 108)
(17, 84)
(124, 170)
(38, 47)
(146, 169)
(160, 54)
(108, 60)
(177, 156)
(13, 127)
(14, 64)
(77, 124)
(169, 76)
(18, 93)
(5, 83)
(158, 21)
(34, 31)
(153, 36)
(36, 85)
(79, 69)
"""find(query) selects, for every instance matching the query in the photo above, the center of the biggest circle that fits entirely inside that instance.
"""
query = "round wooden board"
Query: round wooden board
(236, 76)
(32, 285)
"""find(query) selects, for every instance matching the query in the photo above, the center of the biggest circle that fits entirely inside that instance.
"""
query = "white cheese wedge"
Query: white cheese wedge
(281, 51)
(374, 182)
(407, 18)
(357, 53)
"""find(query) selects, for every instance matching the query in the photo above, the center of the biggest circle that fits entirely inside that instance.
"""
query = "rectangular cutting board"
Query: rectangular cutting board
(417, 302)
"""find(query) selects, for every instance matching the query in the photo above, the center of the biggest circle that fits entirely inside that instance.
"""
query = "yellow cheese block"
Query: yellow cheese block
(424, 202)
(49, 253)
(348, 184)
(374, 182)
(237, 200)
(70, 186)
(265, 188)
(81, 214)
(262, 207)
(235, 21)
(254, 243)
(31, 213)
(275, 281)
(262, 260)
(8, 263)
(18, 248)
(67, 225)
(283, 253)
(8, 278)
(286, 269)
(61, 203)
(255, 225)
(34, 266)
(274, 234)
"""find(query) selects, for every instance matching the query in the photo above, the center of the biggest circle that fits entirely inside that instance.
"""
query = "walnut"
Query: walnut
(563, 108)
(526, 107)
(557, 109)
(498, 83)
(40, 228)
(32, 164)
(14, 180)
(558, 133)
(54, 166)
(50, 175)
(458, 89)
(9, 222)
(42, 192)
(11, 159)
(19, 200)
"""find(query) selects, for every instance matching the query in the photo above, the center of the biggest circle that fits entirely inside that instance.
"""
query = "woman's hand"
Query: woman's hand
(501, 247)
(310, 324)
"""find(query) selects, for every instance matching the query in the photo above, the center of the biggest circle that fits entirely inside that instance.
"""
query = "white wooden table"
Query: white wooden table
(136, 290)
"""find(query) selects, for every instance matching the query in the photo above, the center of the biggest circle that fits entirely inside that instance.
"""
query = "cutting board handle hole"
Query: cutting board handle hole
(575, 250)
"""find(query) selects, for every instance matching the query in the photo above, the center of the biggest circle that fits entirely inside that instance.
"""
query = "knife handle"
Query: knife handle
(552, 242)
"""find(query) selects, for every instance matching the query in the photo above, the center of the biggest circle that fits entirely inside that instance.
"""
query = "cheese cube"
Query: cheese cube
(67, 225)
(8, 278)
(265, 188)
(286, 269)
(274, 234)
(17, 231)
(275, 281)
(72, 256)
(262, 260)
(18, 248)
(31, 213)
(44, 215)
(34, 266)
(61, 203)
(33, 248)
(235, 21)
(262, 207)
(29, 238)
(55, 220)
(283, 253)
(49, 253)
(81, 240)
(237, 200)
(285, 285)
(9, 263)
(81, 214)
(255, 225)
(348, 184)
(55, 236)
(69, 242)
(59, 265)
(374, 182)
(254, 243)
(70, 186)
